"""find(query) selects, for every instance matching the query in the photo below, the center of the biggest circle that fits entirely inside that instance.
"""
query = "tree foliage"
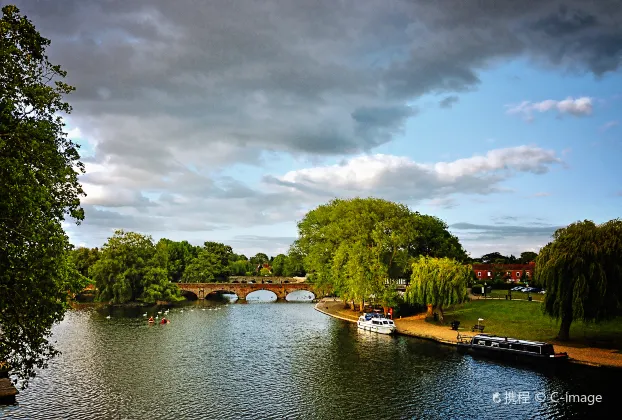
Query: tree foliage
(582, 273)
(438, 283)
(131, 268)
(355, 246)
(39, 168)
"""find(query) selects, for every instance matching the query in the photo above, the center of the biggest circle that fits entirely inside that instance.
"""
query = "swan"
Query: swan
(145, 314)
(108, 317)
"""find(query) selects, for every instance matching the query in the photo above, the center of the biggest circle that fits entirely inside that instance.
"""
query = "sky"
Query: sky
(228, 120)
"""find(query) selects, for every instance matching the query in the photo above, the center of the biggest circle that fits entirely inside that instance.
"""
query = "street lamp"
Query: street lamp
(485, 284)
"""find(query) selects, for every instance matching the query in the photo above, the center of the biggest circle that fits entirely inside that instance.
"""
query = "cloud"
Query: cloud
(576, 107)
(542, 194)
(399, 178)
(189, 203)
(481, 239)
(210, 83)
(608, 125)
(448, 102)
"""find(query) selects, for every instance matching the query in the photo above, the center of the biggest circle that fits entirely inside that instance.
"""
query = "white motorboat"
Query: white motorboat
(376, 323)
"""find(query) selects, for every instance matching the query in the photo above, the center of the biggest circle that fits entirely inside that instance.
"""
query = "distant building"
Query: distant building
(512, 273)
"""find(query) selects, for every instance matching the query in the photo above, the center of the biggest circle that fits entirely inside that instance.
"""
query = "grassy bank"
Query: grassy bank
(525, 320)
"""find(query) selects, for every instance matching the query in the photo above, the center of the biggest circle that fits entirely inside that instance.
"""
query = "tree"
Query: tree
(240, 267)
(180, 254)
(84, 258)
(205, 268)
(131, 268)
(39, 168)
(582, 273)
(223, 252)
(294, 264)
(259, 259)
(354, 246)
(438, 283)
(264, 272)
(527, 257)
(278, 264)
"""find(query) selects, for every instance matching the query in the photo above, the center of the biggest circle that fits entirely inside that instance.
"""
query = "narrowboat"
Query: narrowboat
(510, 348)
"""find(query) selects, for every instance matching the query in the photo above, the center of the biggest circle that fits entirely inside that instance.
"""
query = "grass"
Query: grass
(520, 319)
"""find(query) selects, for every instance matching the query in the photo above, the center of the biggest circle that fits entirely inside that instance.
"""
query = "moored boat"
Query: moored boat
(376, 323)
(510, 348)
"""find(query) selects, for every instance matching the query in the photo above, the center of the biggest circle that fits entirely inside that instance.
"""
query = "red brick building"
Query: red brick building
(512, 272)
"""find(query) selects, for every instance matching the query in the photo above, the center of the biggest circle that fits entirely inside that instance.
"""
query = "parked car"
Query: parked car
(542, 292)
(517, 288)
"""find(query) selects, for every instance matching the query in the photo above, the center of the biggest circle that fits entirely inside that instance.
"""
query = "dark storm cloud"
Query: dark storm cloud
(285, 75)
(170, 92)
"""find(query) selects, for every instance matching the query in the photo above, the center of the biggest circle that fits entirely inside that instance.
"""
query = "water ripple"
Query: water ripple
(273, 361)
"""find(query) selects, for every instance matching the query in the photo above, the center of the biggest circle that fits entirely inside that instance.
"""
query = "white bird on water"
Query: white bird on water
(145, 314)
(159, 312)
(108, 317)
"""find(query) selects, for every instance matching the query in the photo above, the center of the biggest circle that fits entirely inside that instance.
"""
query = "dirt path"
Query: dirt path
(416, 326)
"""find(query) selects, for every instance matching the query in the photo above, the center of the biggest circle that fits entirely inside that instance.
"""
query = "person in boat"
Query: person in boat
(151, 319)
(164, 321)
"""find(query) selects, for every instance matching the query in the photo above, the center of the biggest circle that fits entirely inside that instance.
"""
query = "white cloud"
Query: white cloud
(577, 107)
(609, 125)
(542, 194)
(400, 178)
(180, 201)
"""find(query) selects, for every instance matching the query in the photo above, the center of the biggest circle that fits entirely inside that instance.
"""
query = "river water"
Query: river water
(282, 360)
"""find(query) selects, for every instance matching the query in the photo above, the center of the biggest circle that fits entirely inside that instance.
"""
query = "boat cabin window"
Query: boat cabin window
(375, 322)
(494, 345)
(385, 322)
(481, 343)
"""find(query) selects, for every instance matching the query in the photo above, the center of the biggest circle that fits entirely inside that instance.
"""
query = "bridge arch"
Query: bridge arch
(221, 292)
(262, 295)
(189, 294)
(305, 295)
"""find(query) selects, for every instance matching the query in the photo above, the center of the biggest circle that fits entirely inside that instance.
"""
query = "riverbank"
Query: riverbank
(417, 326)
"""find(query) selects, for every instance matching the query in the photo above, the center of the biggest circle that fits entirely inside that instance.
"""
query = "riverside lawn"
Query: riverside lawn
(525, 320)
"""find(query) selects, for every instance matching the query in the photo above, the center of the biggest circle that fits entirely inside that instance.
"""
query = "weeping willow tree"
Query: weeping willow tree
(581, 271)
(438, 283)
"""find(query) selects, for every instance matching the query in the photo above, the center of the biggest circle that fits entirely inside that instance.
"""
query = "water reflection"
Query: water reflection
(283, 360)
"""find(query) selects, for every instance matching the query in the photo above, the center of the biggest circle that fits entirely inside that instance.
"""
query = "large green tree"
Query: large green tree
(438, 283)
(582, 273)
(180, 254)
(278, 265)
(84, 258)
(39, 188)
(131, 268)
(355, 246)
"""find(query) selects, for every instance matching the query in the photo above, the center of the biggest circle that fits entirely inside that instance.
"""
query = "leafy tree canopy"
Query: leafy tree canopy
(438, 283)
(582, 273)
(131, 268)
(354, 246)
(39, 168)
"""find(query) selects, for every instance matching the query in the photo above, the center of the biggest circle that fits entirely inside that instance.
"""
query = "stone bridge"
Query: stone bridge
(201, 290)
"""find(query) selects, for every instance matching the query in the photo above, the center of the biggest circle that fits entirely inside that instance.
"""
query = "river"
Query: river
(281, 360)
